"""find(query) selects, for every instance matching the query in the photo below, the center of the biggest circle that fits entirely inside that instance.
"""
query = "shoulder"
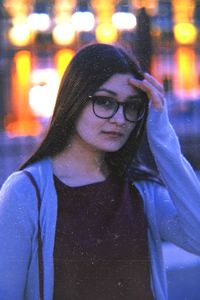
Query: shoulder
(150, 185)
(18, 208)
(17, 186)
(18, 201)
(18, 190)
(139, 172)
(40, 166)
(16, 183)
(156, 198)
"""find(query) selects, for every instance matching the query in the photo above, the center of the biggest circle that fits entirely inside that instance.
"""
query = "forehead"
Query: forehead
(118, 83)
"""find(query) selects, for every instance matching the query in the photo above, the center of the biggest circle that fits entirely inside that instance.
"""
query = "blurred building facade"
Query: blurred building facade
(39, 38)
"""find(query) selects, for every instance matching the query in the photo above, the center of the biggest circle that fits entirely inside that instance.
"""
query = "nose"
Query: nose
(118, 117)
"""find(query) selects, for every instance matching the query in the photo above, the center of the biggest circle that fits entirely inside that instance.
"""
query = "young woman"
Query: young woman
(101, 230)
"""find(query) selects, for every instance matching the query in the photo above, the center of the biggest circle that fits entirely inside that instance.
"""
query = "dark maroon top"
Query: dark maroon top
(101, 247)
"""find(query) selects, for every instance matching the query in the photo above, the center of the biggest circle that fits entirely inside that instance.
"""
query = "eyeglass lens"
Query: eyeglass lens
(105, 107)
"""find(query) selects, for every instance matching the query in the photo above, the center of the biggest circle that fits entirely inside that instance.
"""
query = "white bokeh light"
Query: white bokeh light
(19, 34)
(42, 95)
(64, 33)
(40, 22)
(83, 21)
(124, 20)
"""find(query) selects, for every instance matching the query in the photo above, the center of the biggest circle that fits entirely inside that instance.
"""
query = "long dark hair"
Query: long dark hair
(88, 70)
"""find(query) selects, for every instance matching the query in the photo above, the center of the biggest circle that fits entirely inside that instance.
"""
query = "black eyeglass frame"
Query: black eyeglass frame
(116, 110)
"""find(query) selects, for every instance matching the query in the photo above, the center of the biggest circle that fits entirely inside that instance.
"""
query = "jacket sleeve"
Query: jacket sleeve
(178, 208)
(16, 235)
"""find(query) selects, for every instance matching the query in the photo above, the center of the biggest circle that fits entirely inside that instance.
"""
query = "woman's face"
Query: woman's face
(110, 134)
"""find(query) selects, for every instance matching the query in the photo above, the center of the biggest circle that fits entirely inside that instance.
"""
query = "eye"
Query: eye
(134, 106)
(104, 101)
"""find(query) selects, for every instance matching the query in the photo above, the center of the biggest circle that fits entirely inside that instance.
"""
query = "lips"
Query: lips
(115, 134)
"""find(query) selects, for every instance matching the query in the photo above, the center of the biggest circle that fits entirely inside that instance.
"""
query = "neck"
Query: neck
(80, 160)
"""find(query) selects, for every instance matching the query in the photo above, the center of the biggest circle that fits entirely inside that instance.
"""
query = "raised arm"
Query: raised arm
(179, 214)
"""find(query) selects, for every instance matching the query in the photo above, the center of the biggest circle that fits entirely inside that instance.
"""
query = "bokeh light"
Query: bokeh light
(106, 33)
(20, 34)
(83, 21)
(185, 33)
(39, 22)
(64, 33)
(124, 20)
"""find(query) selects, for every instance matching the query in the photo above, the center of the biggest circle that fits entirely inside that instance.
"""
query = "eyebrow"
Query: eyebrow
(106, 90)
(115, 94)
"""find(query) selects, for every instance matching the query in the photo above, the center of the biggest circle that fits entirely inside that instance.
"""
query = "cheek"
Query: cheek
(88, 123)
(130, 128)
(84, 118)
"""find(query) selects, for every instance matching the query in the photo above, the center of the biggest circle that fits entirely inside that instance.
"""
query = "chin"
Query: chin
(112, 148)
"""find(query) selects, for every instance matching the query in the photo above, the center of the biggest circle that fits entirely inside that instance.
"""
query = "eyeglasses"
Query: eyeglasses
(106, 107)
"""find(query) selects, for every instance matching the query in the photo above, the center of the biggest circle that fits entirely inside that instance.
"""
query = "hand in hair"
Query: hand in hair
(152, 88)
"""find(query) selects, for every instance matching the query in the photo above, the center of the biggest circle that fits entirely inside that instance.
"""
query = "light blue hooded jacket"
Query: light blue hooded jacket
(173, 214)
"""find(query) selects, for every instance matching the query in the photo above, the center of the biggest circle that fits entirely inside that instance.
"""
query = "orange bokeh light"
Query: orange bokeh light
(186, 73)
(62, 59)
(20, 120)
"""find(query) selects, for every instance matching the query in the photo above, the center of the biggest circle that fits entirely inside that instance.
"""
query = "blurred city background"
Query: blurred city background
(38, 40)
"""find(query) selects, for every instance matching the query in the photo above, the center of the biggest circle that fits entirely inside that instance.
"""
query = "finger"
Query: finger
(137, 83)
(156, 97)
(154, 82)
(148, 78)
(144, 85)
(157, 100)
